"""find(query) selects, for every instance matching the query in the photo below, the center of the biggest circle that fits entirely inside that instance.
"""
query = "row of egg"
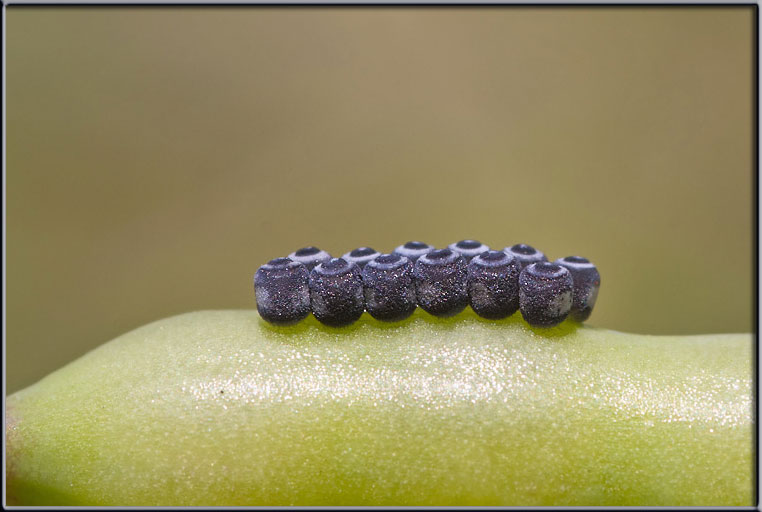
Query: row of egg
(441, 281)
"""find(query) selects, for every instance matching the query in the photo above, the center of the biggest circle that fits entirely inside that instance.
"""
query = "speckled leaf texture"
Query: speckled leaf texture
(219, 408)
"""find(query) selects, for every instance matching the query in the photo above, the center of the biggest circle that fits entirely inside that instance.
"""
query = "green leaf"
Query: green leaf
(219, 408)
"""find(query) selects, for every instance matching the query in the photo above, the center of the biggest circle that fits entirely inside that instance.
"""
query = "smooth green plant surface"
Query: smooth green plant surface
(219, 408)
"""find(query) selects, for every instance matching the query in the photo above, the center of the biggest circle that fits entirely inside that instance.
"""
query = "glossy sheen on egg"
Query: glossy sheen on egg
(587, 282)
(362, 256)
(468, 248)
(389, 288)
(545, 294)
(493, 284)
(413, 250)
(281, 288)
(310, 256)
(525, 254)
(440, 282)
(336, 292)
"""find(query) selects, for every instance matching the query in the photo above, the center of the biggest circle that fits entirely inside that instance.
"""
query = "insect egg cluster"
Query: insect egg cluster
(442, 282)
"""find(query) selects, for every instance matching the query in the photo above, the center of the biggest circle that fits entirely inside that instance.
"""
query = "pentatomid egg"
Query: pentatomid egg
(587, 281)
(361, 256)
(545, 294)
(310, 256)
(440, 282)
(493, 284)
(468, 248)
(336, 292)
(525, 254)
(413, 250)
(282, 291)
(389, 288)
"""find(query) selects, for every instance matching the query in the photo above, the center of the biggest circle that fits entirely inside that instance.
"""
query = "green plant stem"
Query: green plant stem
(219, 408)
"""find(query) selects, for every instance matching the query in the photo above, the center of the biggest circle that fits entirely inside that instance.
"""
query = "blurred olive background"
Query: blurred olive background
(156, 157)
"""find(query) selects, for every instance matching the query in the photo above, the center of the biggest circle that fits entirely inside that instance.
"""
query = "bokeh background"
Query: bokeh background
(156, 157)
